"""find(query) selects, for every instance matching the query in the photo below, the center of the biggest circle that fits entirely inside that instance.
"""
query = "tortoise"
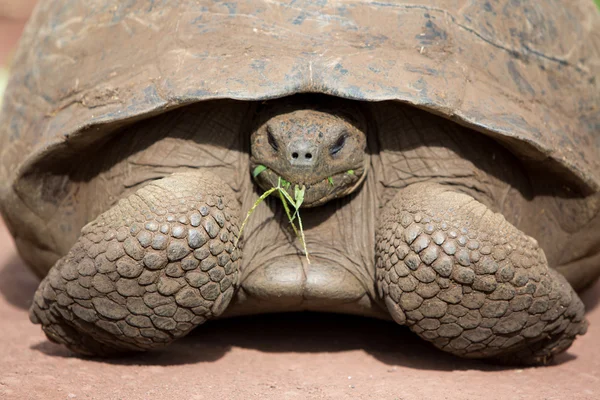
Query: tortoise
(448, 156)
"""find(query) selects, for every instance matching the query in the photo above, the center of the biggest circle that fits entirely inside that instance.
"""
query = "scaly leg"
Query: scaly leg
(145, 272)
(465, 279)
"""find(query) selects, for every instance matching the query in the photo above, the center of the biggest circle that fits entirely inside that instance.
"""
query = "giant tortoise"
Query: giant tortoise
(448, 152)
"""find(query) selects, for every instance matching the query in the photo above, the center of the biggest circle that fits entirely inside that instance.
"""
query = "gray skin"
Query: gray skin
(422, 230)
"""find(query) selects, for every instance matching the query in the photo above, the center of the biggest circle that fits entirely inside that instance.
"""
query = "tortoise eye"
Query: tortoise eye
(272, 140)
(338, 145)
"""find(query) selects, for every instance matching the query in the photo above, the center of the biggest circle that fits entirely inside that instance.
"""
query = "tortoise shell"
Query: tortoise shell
(525, 73)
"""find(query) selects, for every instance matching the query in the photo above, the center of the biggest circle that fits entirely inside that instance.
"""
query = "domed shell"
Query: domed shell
(524, 72)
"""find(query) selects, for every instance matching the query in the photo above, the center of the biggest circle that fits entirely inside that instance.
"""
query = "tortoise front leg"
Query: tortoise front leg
(147, 271)
(465, 279)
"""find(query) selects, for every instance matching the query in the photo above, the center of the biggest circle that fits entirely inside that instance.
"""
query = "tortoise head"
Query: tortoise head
(319, 145)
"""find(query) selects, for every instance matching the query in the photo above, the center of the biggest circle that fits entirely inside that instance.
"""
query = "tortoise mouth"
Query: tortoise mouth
(318, 192)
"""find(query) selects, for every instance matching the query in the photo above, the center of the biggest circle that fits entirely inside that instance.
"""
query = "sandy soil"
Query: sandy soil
(294, 356)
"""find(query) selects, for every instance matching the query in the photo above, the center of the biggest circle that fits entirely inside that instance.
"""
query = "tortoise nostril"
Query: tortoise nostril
(302, 153)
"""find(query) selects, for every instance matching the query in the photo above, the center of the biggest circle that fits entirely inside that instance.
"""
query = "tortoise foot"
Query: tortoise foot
(145, 272)
(465, 279)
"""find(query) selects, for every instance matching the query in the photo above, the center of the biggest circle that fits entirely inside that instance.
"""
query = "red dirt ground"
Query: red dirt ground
(295, 356)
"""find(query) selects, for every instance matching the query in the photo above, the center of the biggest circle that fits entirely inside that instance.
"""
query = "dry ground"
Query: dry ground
(298, 356)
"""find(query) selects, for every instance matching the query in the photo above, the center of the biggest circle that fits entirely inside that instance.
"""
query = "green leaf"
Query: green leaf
(286, 207)
(350, 172)
(258, 170)
(299, 194)
(285, 183)
(288, 197)
(330, 179)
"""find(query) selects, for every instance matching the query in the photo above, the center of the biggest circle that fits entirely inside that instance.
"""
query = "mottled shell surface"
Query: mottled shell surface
(524, 72)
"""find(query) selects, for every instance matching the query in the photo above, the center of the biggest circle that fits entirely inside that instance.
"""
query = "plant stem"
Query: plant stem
(256, 203)
(285, 198)
(287, 211)
(302, 239)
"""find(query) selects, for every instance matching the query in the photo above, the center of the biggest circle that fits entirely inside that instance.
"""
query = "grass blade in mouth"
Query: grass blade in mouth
(251, 210)
(258, 170)
(285, 198)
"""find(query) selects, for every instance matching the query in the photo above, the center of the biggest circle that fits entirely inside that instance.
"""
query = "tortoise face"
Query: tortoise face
(320, 150)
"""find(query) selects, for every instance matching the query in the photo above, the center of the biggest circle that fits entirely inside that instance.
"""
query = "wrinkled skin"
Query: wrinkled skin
(425, 230)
